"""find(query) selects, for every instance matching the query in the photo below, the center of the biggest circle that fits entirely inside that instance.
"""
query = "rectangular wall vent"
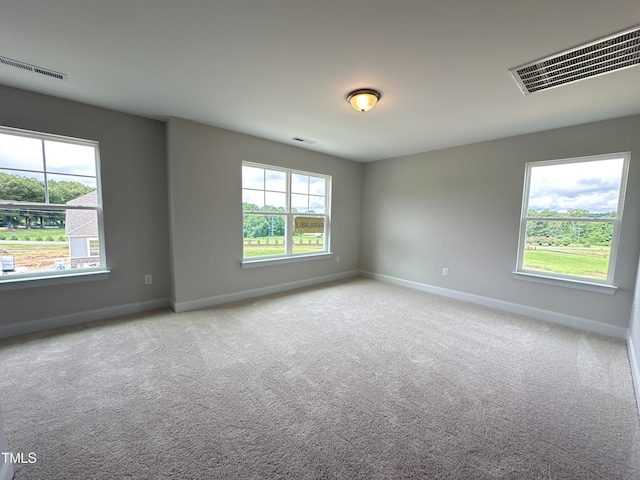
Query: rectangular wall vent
(33, 68)
(605, 55)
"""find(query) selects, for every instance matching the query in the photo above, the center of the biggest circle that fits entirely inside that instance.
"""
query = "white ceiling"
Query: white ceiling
(279, 69)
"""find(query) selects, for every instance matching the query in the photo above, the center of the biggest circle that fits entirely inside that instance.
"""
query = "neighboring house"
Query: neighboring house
(81, 228)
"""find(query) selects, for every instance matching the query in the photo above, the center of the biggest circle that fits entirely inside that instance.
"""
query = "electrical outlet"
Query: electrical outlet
(148, 279)
(445, 271)
(338, 259)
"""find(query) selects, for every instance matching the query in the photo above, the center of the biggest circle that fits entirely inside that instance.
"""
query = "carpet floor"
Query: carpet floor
(355, 379)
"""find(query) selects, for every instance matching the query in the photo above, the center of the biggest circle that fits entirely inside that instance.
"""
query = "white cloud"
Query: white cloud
(591, 185)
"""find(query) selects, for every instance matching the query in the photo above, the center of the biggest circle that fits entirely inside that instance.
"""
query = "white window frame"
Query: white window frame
(573, 281)
(289, 255)
(54, 277)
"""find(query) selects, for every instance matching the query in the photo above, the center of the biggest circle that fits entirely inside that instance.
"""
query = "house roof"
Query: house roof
(82, 223)
(282, 69)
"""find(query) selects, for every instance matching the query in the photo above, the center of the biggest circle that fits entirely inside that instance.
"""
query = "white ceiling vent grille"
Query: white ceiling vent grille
(33, 68)
(615, 52)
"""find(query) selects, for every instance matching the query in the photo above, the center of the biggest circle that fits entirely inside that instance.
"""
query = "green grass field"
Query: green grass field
(20, 233)
(591, 263)
(268, 245)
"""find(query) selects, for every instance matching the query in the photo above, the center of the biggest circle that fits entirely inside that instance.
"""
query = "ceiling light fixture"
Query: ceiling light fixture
(363, 99)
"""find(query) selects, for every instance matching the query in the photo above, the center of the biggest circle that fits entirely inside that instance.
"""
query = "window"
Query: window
(50, 205)
(571, 216)
(93, 246)
(285, 212)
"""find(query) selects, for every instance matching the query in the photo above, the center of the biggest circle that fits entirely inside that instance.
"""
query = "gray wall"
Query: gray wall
(406, 217)
(205, 183)
(460, 208)
(134, 181)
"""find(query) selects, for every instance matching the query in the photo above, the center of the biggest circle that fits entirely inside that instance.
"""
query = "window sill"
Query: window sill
(277, 261)
(10, 282)
(567, 283)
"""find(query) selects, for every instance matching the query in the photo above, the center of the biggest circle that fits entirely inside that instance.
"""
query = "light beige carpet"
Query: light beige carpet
(356, 379)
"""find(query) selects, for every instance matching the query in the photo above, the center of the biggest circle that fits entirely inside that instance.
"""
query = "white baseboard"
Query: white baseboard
(80, 317)
(635, 370)
(6, 471)
(554, 317)
(258, 292)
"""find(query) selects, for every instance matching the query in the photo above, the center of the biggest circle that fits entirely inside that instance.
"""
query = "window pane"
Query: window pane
(308, 242)
(252, 177)
(317, 204)
(20, 152)
(21, 186)
(317, 186)
(591, 186)
(275, 202)
(33, 241)
(276, 181)
(299, 183)
(70, 158)
(570, 248)
(252, 200)
(299, 203)
(64, 188)
(264, 235)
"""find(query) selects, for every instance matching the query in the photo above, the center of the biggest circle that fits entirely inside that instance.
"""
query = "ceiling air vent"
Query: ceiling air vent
(615, 52)
(33, 68)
